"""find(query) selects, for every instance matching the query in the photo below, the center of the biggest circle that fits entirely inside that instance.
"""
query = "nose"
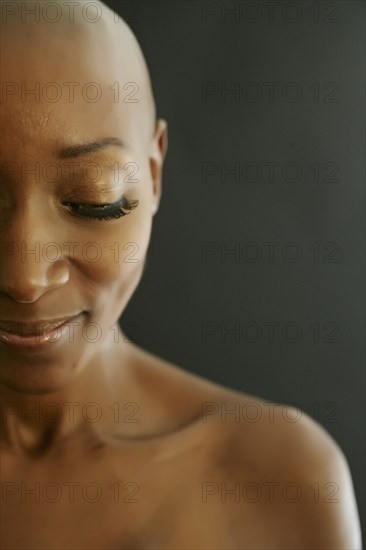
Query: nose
(31, 261)
(25, 282)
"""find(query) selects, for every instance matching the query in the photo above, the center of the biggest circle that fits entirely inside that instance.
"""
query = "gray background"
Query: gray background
(320, 48)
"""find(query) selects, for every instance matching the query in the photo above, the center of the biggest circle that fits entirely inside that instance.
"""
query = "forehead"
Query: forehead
(62, 90)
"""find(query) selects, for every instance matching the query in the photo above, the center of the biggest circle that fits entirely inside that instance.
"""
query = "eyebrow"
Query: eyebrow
(84, 148)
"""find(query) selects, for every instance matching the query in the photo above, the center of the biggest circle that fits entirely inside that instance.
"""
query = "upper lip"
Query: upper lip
(34, 327)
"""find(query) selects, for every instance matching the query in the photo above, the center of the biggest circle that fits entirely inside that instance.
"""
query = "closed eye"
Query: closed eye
(102, 211)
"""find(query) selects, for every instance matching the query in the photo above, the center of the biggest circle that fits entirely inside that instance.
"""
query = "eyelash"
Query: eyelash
(103, 211)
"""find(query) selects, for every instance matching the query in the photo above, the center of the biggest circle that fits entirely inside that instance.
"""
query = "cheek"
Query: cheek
(114, 252)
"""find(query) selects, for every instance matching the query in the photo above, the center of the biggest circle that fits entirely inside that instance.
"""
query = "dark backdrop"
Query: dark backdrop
(261, 226)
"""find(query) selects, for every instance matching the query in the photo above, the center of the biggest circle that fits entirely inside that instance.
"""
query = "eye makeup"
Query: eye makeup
(107, 211)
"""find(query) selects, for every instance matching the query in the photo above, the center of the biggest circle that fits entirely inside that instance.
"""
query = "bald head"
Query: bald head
(73, 43)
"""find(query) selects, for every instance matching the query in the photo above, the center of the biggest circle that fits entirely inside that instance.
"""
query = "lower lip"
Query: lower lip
(37, 341)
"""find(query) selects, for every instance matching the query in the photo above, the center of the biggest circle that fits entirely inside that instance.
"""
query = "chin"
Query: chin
(36, 380)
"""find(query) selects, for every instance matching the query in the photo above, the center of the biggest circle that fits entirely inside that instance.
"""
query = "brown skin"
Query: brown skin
(157, 448)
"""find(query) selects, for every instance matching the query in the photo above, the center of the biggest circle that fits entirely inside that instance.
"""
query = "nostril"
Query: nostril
(25, 282)
(25, 296)
(29, 301)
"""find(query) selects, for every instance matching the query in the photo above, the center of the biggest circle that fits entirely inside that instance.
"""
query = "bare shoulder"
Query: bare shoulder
(287, 468)
(280, 479)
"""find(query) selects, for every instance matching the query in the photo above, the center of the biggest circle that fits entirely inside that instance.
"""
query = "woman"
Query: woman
(104, 445)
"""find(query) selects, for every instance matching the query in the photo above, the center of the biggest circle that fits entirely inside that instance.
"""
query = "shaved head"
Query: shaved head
(71, 42)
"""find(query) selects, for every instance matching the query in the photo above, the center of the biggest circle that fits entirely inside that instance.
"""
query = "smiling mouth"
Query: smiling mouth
(35, 328)
(38, 335)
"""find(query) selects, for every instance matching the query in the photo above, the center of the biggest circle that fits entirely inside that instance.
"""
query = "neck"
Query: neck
(30, 424)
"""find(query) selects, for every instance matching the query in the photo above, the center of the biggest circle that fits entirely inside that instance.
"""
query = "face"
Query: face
(87, 260)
